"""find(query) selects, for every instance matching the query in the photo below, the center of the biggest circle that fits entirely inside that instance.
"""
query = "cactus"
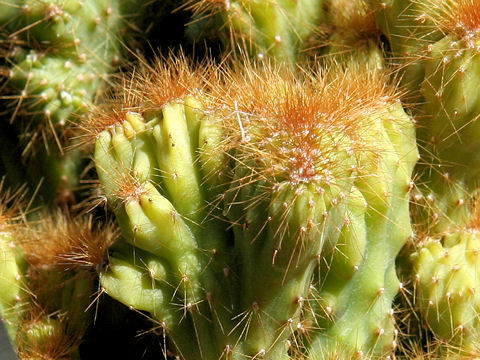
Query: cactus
(285, 186)
(443, 62)
(62, 57)
(374, 230)
(352, 34)
(409, 28)
(271, 28)
(264, 209)
(443, 52)
(446, 271)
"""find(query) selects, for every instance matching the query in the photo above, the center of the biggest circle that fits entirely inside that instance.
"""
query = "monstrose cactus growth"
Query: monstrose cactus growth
(240, 179)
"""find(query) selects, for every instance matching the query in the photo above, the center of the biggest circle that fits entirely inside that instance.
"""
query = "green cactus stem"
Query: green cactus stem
(360, 276)
(271, 28)
(409, 27)
(12, 264)
(11, 281)
(301, 152)
(62, 56)
(152, 177)
(446, 274)
(352, 34)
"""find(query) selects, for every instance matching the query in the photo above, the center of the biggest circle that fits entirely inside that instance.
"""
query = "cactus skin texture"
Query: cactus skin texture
(271, 28)
(447, 278)
(352, 33)
(62, 55)
(10, 280)
(360, 275)
(444, 66)
(285, 176)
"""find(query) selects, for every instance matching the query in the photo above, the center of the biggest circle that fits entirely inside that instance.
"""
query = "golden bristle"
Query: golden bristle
(282, 120)
(128, 187)
(55, 344)
(205, 8)
(455, 16)
(169, 79)
(112, 111)
(11, 203)
(60, 240)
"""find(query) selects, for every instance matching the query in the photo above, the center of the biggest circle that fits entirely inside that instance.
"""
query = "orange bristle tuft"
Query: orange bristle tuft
(170, 79)
(112, 111)
(67, 242)
(294, 116)
(456, 16)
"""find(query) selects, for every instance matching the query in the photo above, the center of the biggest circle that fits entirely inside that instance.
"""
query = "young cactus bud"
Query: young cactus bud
(446, 283)
(44, 336)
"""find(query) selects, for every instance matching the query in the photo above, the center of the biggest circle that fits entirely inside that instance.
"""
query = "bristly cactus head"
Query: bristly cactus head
(282, 159)
(295, 155)
(261, 28)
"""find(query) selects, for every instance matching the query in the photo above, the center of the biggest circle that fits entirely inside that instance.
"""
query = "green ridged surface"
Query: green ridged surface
(263, 28)
(447, 276)
(358, 282)
(64, 52)
(167, 223)
(11, 277)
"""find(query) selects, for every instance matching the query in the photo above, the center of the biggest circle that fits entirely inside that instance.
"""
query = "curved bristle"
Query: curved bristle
(170, 79)
(68, 242)
(457, 16)
(293, 116)
(44, 337)
(117, 104)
